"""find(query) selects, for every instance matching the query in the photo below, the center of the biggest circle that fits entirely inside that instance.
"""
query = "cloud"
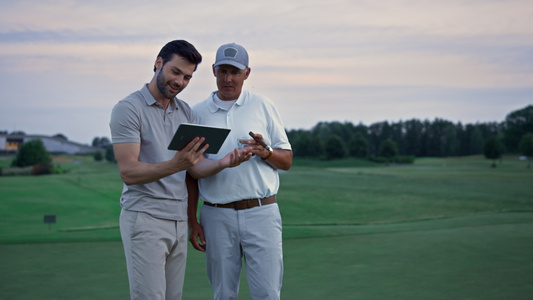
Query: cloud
(342, 59)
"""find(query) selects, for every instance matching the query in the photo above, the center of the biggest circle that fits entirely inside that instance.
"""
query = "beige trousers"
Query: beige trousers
(156, 253)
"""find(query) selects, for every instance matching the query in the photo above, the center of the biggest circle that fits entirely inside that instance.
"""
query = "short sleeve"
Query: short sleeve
(125, 123)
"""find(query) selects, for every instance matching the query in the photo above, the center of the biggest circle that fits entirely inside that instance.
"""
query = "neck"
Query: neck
(224, 99)
(152, 88)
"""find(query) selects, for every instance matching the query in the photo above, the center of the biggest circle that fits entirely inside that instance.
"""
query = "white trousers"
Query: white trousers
(156, 253)
(254, 234)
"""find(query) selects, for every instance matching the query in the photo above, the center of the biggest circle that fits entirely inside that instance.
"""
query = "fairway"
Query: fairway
(439, 229)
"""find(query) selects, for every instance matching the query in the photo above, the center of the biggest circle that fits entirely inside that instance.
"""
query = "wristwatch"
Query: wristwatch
(270, 151)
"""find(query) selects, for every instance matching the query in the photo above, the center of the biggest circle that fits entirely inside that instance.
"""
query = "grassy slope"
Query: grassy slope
(429, 189)
(85, 198)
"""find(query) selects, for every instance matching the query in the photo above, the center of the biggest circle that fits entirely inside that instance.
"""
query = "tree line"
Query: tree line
(382, 141)
(411, 138)
(104, 143)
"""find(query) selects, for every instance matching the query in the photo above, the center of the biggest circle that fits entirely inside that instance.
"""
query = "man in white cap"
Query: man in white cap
(240, 216)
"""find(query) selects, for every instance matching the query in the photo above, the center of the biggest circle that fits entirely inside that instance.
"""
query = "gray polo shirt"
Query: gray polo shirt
(139, 118)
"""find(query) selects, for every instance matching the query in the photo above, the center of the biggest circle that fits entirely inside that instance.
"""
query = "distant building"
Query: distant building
(10, 143)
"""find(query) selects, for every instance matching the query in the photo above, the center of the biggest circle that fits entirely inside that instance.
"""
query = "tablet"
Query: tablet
(214, 136)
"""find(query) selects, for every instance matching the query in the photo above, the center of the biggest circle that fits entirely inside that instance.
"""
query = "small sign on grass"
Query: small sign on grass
(49, 219)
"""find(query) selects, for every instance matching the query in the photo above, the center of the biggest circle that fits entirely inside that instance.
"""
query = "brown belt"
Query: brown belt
(245, 204)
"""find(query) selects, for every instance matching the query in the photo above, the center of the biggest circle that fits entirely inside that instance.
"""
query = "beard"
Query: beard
(162, 86)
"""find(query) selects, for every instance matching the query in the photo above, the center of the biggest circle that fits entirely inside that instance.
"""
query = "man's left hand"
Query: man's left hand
(236, 158)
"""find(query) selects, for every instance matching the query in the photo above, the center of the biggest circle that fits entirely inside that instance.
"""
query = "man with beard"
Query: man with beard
(153, 220)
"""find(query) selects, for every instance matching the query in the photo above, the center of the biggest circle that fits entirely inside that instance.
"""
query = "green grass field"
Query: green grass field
(450, 228)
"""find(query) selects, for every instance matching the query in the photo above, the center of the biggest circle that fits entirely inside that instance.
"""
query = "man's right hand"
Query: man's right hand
(196, 232)
(190, 155)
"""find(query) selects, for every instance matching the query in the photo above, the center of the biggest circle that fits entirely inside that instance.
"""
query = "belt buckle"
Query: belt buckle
(246, 204)
(236, 206)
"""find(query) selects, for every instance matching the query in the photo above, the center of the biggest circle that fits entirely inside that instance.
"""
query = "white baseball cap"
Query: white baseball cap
(232, 54)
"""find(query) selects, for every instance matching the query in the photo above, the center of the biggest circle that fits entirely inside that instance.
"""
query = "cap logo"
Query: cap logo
(230, 52)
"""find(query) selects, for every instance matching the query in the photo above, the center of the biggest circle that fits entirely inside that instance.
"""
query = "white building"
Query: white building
(12, 142)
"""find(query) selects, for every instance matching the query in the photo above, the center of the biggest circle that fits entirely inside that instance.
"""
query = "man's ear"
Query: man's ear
(158, 63)
(248, 70)
(214, 71)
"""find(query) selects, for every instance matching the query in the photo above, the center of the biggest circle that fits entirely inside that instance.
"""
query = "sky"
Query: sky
(64, 64)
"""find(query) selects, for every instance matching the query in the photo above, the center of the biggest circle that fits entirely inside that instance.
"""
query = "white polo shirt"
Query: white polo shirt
(254, 178)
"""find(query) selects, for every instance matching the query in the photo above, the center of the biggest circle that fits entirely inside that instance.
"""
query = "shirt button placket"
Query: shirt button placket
(168, 116)
(229, 117)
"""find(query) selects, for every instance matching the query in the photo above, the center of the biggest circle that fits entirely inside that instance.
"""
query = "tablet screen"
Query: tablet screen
(214, 136)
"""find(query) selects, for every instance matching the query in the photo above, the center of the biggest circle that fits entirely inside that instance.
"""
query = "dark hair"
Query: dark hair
(181, 48)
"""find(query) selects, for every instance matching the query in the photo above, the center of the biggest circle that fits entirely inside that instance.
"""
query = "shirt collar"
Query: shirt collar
(213, 107)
